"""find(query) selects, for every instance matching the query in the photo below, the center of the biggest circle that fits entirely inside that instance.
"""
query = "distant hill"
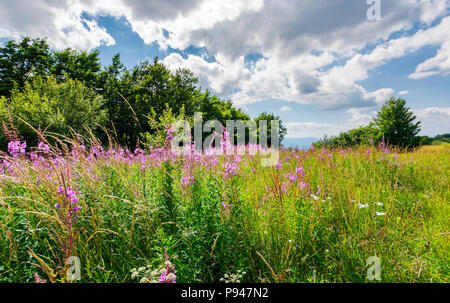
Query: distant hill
(300, 143)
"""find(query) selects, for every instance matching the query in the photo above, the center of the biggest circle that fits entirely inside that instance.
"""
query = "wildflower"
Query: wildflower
(43, 147)
(300, 171)
(380, 214)
(363, 205)
(379, 203)
(230, 169)
(279, 165)
(17, 148)
(188, 180)
(225, 206)
(169, 131)
(38, 279)
(292, 178)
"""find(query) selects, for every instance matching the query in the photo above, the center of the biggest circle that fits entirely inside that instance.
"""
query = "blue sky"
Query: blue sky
(322, 65)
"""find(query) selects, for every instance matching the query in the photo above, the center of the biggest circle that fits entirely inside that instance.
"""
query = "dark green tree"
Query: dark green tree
(52, 107)
(397, 124)
(20, 61)
(77, 65)
(269, 117)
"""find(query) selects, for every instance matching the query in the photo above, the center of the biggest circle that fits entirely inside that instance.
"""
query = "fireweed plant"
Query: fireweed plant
(136, 216)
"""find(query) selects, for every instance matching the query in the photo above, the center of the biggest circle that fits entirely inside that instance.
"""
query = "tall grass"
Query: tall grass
(315, 217)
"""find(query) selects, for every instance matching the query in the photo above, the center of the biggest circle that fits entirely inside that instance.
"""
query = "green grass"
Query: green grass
(275, 232)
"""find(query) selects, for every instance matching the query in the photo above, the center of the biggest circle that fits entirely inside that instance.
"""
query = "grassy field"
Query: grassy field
(317, 216)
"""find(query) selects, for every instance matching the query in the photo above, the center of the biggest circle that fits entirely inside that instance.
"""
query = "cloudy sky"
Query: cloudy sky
(324, 66)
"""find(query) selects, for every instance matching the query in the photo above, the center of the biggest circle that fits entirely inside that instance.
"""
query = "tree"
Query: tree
(353, 137)
(129, 96)
(53, 108)
(396, 124)
(269, 117)
(20, 61)
(77, 65)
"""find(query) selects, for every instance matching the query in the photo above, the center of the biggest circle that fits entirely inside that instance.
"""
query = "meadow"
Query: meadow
(135, 216)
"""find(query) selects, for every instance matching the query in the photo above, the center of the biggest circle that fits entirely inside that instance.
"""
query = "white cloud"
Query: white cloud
(299, 41)
(435, 120)
(61, 22)
(285, 109)
(403, 92)
(437, 65)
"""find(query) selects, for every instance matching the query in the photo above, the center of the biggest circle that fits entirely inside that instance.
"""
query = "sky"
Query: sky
(323, 66)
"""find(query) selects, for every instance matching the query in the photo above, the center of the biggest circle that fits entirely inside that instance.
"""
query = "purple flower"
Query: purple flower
(188, 180)
(17, 148)
(230, 169)
(43, 147)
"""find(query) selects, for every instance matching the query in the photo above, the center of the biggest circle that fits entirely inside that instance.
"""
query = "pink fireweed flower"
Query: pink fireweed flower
(72, 196)
(17, 148)
(292, 178)
(169, 274)
(226, 206)
(188, 180)
(279, 165)
(169, 131)
(43, 147)
(230, 169)
(38, 279)
(300, 171)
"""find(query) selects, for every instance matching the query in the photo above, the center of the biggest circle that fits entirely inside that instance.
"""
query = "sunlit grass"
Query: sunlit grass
(315, 217)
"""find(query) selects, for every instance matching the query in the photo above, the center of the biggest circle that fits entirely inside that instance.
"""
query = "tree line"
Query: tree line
(68, 92)
(395, 124)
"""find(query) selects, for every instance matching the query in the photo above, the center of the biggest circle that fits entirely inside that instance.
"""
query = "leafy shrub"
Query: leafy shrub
(53, 107)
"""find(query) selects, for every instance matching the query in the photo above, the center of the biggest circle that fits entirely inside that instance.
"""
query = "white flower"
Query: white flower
(379, 203)
(380, 214)
(363, 205)
(134, 275)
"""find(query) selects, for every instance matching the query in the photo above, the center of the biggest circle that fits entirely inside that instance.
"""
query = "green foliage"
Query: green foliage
(77, 65)
(20, 61)
(269, 117)
(440, 139)
(394, 124)
(397, 124)
(129, 96)
(159, 123)
(354, 137)
(53, 107)
(357, 205)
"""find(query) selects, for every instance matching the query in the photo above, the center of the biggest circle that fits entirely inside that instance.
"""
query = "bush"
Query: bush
(354, 137)
(397, 124)
(52, 107)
